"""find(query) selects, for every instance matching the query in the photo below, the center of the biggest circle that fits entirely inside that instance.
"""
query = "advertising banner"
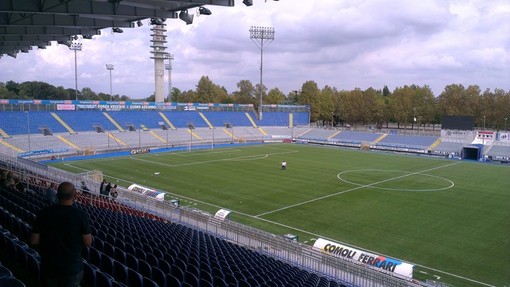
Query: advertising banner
(484, 137)
(222, 214)
(504, 137)
(147, 191)
(374, 260)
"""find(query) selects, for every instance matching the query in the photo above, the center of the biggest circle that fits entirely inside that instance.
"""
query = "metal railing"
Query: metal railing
(297, 254)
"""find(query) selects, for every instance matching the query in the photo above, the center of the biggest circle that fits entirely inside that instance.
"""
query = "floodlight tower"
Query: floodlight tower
(110, 67)
(159, 55)
(75, 47)
(169, 68)
(261, 36)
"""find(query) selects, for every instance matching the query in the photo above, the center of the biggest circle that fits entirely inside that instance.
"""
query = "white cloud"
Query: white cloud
(345, 44)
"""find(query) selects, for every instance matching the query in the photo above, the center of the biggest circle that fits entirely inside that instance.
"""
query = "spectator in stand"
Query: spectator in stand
(102, 187)
(84, 188)
(59, 234)
(114, 193)
(51, 193)
(107, 189)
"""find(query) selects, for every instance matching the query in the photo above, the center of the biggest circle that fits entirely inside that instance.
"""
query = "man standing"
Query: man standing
(102, 187)
(60, 232)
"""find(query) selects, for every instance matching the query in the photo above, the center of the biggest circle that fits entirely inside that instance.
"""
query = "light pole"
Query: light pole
(109, 67)
(28, 131)
(191, 127)
(168, 67)
(212, 146)
(505, 123)
(260, 36)
(75, 47)
(484, 122)
(231, 127)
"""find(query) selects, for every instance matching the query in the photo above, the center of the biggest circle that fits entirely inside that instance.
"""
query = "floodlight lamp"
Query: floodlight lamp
(184, 16)
(156, 21)
(139, 23)
(204, 11)
(117, 30)
(248, 2)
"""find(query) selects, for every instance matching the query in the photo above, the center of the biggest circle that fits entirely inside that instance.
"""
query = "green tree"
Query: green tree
(309, 95)
(208, 92)
(174, 96)
(327, 106)
(189, 96)
(274, 97)
(5, 93)
(87, 94)
(386, 91)
(12, 87)
(401, 105)
(246, 93)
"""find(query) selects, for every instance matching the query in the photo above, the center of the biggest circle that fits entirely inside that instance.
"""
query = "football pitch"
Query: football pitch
(449, 218)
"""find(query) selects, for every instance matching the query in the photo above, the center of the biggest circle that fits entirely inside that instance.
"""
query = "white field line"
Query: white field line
(353, 189)
(249, 157)
(318, 235)
(375, 252)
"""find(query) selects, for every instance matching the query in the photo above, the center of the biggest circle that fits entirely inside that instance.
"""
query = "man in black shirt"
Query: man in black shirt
(60, 232)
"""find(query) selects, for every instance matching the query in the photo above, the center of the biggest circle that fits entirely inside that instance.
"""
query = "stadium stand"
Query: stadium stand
(356, 137)
(138, 249)
(409, 142)
(499, 151)
(317, 134)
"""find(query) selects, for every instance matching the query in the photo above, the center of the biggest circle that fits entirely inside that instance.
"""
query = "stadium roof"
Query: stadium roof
(34, 23)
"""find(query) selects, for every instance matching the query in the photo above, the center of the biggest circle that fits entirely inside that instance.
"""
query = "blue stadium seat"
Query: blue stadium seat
(109, 249)
(144, 268)
(103, 280)
(131, 261)
(120, 272)
(107, 265)
(177, 273)
(205, 283)
(34, 266)
(94, 256)
(149, 283)
(140, 254)
(98, 243)
(89, 274)
(172, 281)
(230, 279)
(158, 276)
(120, 255)
(219, 282)
(129, 248)
(151, 259)
(134, 279)
(11, 282)
(191, 279)
(5, 273)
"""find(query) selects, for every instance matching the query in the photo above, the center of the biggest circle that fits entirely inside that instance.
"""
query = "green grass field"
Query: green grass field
(450, 218)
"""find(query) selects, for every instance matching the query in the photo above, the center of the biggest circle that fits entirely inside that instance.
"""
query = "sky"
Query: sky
(345, 44)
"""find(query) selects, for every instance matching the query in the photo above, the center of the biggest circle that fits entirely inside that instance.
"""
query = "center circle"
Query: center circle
(447, 183)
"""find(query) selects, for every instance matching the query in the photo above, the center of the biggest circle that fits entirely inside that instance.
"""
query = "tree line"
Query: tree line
(406, 106)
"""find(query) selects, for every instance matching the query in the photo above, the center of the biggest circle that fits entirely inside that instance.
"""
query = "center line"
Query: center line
(353, 189)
